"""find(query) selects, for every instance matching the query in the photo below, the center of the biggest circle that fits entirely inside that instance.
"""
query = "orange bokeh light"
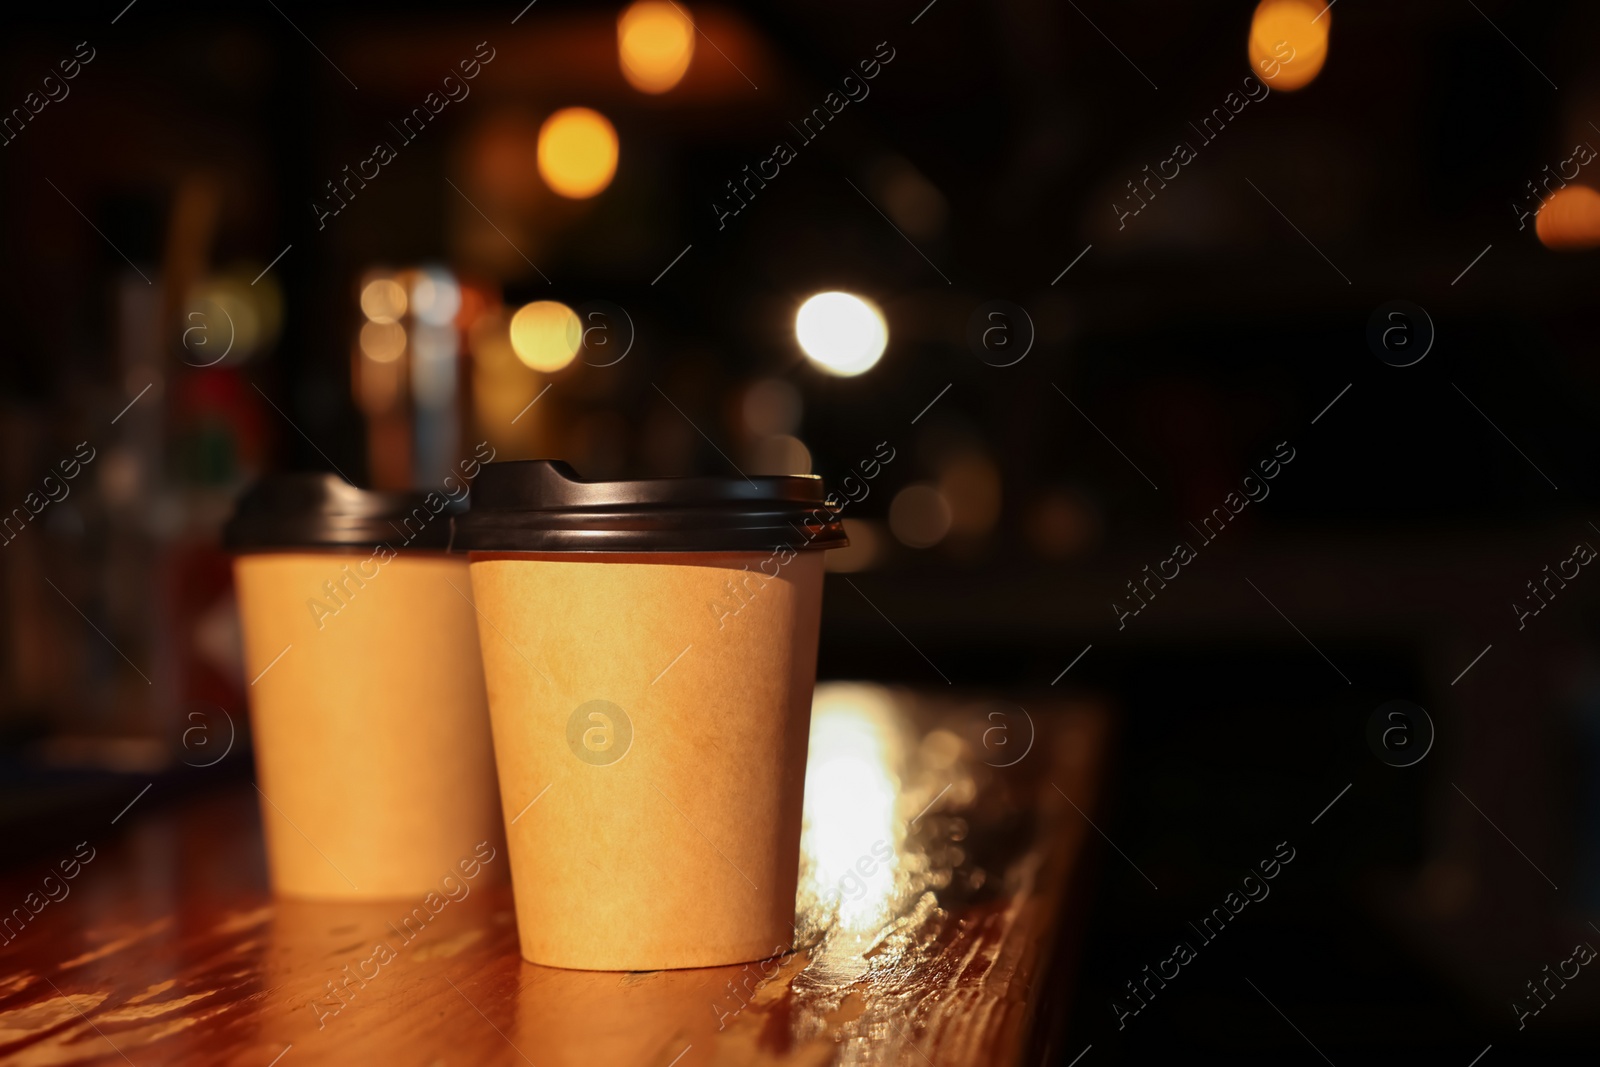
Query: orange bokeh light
(577, 152)
(655, 42)
(383, 342)
(1570, 219)
(545, 335)
(1289, 41)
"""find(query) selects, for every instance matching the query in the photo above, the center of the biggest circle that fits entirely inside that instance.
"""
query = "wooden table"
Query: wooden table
(169, 949)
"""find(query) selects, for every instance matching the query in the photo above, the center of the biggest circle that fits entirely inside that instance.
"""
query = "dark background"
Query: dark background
(1221, 320)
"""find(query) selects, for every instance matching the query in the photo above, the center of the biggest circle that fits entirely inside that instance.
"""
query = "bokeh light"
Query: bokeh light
(843, 333)
(382, 342)
(1289, 41)
(502, 385)
(577, 152)
(970, 484)
(655, 42)
(229, 319)
(919, 515)
(545, 335)
(867, 539)
(1570, 219)
(780, 454)
(435, 296)
(383, 300)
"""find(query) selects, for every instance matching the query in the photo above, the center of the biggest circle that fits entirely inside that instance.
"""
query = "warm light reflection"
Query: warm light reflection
(866, 545)
(970, 485)
(502, 385)
(655, 42)
(231, 320)
(850, 843)
(383, 300)
(841, 332)
(1570, 219)
(577, 152)
(919, 515)
(382, 342)
(546, 335)
(376, 385)
(780, 454)
(475, 301)
(1289, 41)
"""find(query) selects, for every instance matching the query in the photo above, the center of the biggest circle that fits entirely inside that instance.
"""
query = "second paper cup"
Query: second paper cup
(373, 756)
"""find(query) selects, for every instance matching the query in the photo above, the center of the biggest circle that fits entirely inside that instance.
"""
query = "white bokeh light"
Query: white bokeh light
(841, 332)
(435, 296)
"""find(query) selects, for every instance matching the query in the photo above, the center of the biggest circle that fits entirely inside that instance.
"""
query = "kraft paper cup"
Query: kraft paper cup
(650, 651)
(374, 762)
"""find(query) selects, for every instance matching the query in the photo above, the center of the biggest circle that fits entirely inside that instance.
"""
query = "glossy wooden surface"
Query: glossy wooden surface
(168, 949)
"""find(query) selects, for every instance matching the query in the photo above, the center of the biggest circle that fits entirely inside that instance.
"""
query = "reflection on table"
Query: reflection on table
(938, 849)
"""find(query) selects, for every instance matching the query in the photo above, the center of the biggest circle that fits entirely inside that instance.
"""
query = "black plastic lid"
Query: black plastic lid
(325, 511)
(543, 506)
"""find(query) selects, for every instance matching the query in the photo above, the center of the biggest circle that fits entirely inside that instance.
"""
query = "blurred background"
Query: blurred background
(952, 259)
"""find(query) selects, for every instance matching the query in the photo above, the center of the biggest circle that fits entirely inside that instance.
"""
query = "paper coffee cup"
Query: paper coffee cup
(374, 763)
(650, 652)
